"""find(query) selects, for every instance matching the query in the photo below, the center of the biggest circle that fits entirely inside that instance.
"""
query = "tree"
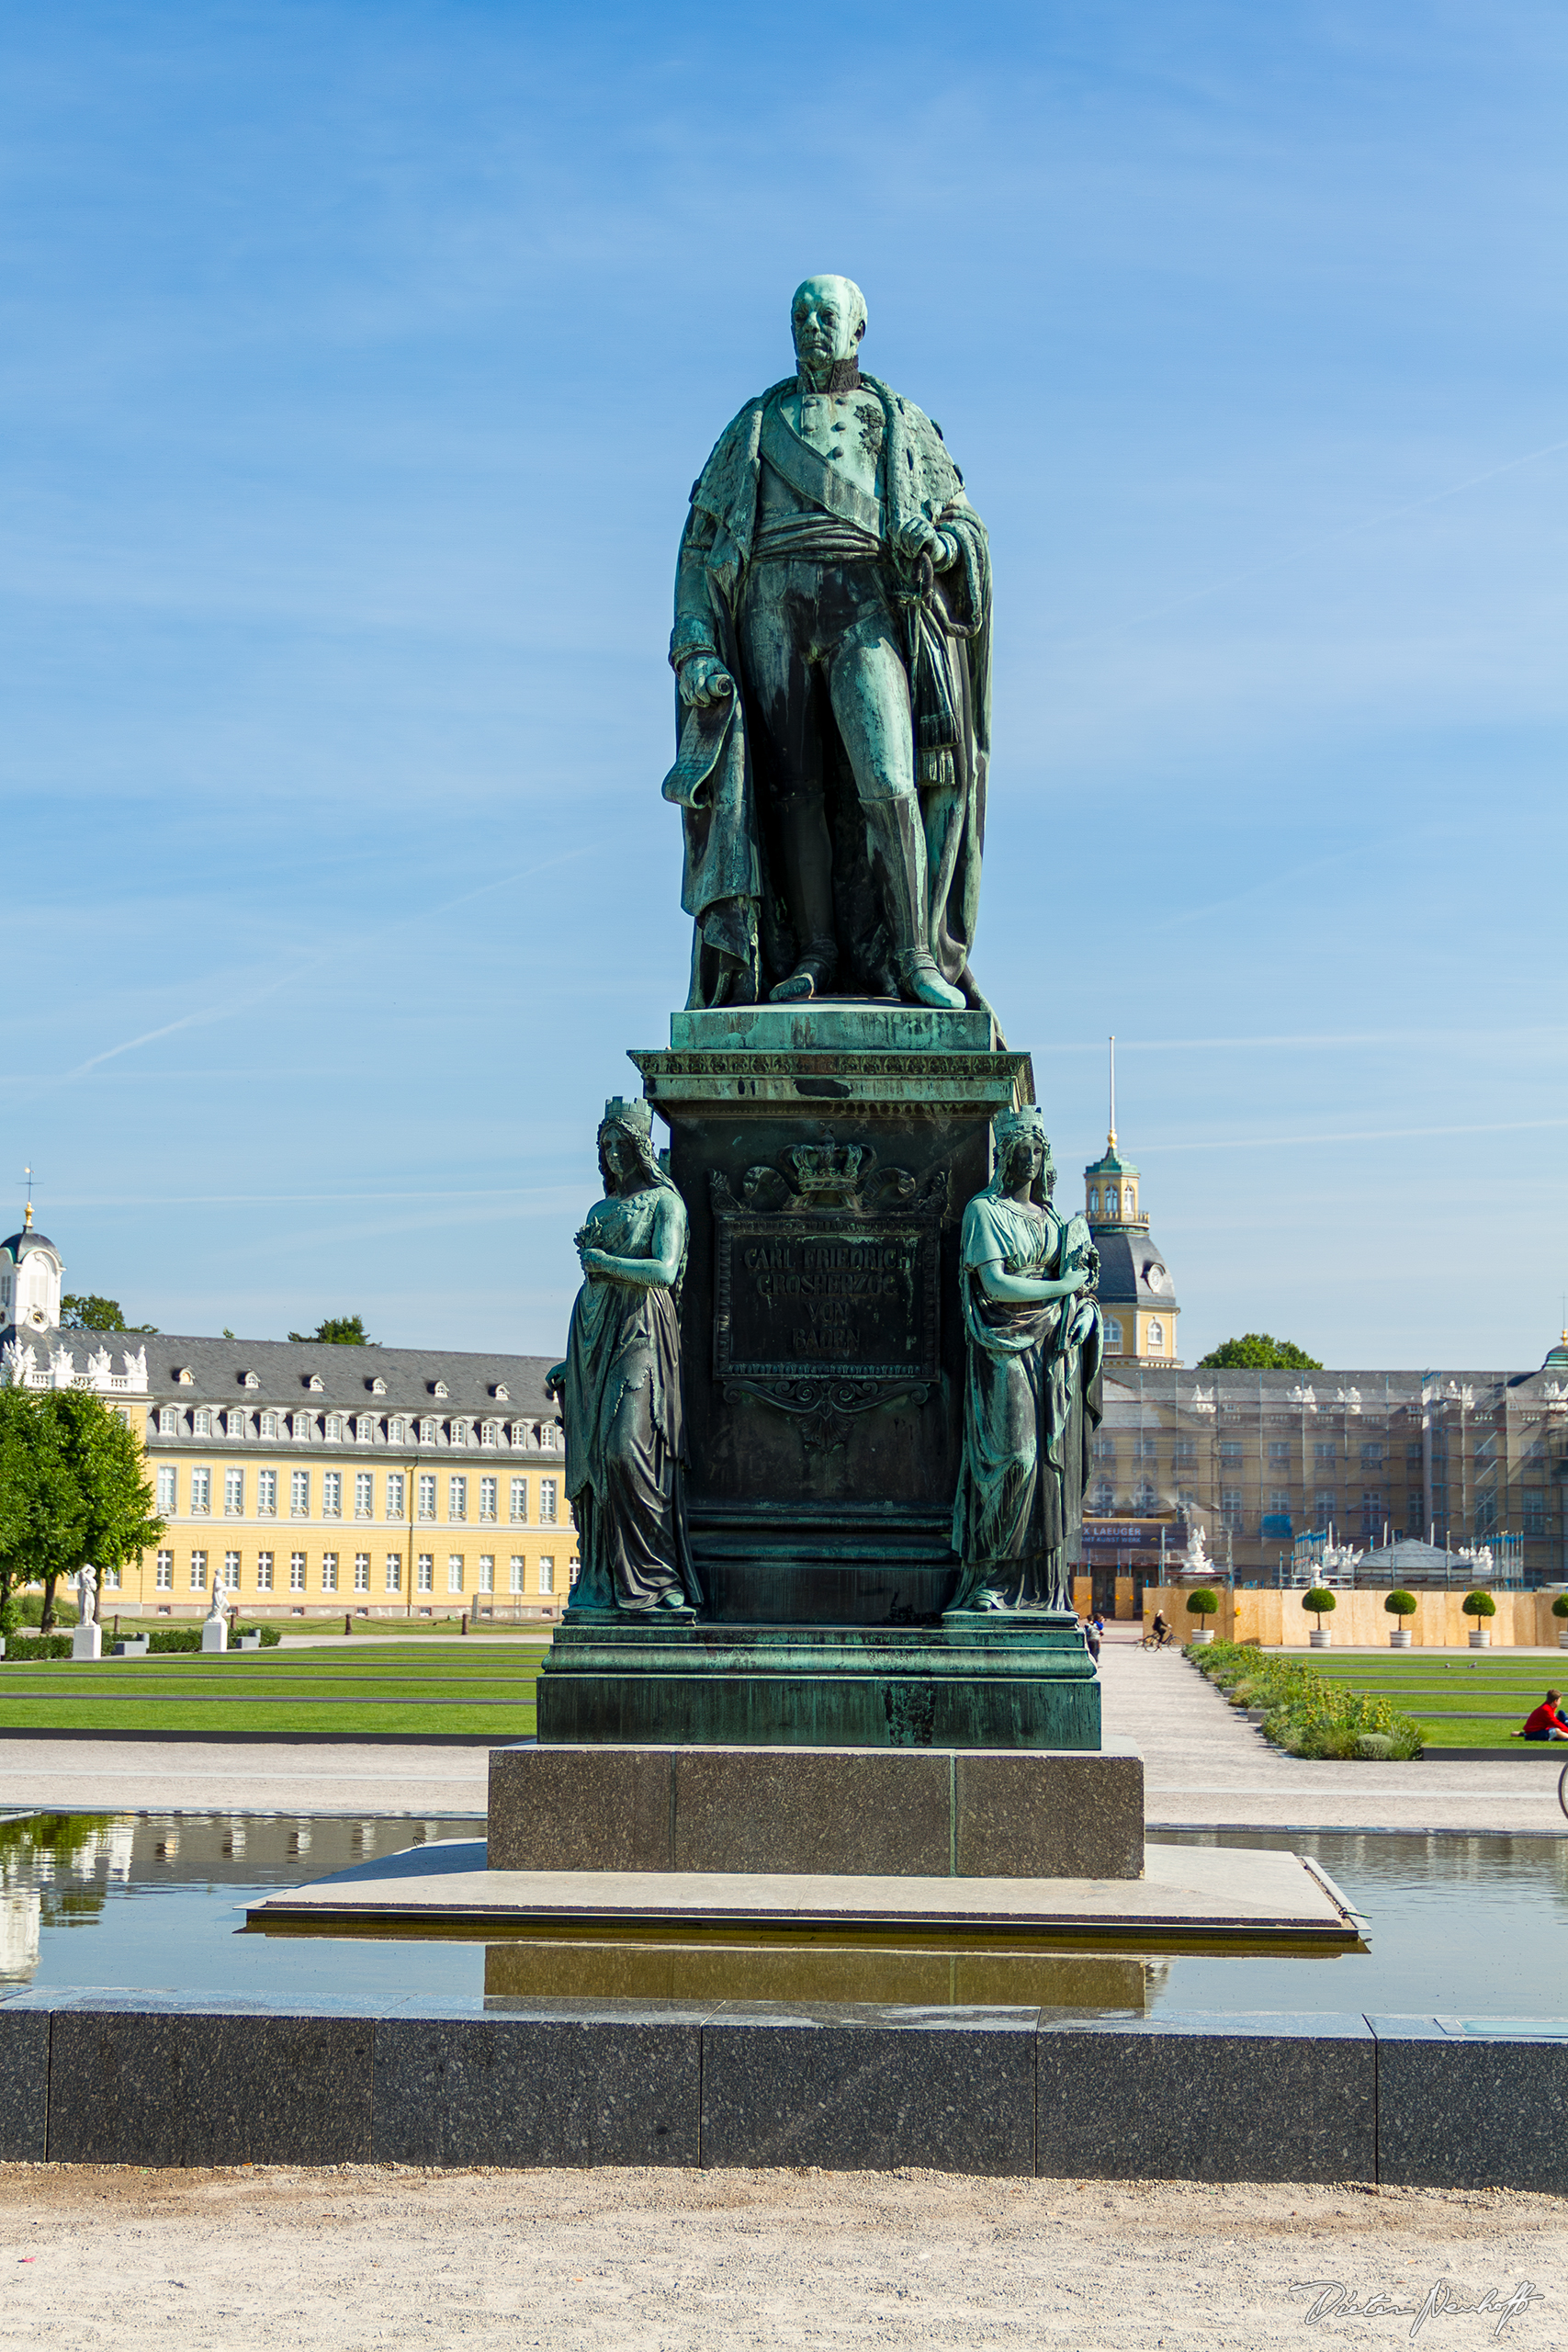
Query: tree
(1256, 1351)
(340, 1331)
(105, 1469)
(43, 1516)
(85, 1311)
(1321, 1602)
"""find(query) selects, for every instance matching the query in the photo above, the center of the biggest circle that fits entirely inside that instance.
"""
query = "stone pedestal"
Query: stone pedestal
(826, 1153)
(832, 1811)
(87, 1640)
(214, 1634)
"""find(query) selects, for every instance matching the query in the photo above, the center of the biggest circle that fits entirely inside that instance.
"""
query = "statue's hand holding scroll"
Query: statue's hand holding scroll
(704, 680)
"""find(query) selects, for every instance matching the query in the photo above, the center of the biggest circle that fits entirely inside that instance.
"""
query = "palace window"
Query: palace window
(164, 1577)
(427, 1495)
(546, 1502)
(269, 1425)
(487, 1571)
(334, 1429)
(1113, 1331)
(362, 1572)
(1323, 1505)
(456, 1499)
(1324, 1452)
(230, 1571)
(304, 1428)
(239, 1424)
(549, 1435)
(199, 1572)
(1280, 1502)
(546, 1572)
(487, 1499)
(517, 1572)
(296, 1572)
(1371, 1454)
(519, 1502)
(1279, 1450)
(200, 1490)
(233, 1494)
(395, 1431)
(426, 1577)
(168, 1481)
(1156, 1335)
(300, 1494)
(168, 1421)
(428, 1432)
(454, 1572)
(1230, 1451)
(394, 1572)
(366, 1430)
(490, 1433)
(1532, 1505)
(1230, 1508)
(1094, 1203)
(1184, 1452)
(332, 1494)
(364, 1494)
(457, 1433)
(395, 1494)
(201, 1422)
(267, 1493)
(328, 1571)
(264, 1571)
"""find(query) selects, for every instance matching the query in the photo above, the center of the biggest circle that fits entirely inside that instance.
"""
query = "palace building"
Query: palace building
(305, 1479)
(1137, 1301)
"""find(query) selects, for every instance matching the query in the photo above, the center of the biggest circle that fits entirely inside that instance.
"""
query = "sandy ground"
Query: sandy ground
(368, 2257)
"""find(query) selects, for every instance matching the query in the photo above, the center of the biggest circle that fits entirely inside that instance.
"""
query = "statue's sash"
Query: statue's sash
(810, 475)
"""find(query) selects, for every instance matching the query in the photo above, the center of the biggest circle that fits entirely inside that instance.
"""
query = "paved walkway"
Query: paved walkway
(217, 1776)
(1205, 1767)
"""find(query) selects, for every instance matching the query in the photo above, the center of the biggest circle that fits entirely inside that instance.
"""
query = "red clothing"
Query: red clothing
(1546, 1718)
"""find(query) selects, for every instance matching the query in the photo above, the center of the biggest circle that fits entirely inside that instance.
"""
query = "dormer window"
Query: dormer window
(184, 1375)
(366, 1429)
(438, 1388)
(428, 1432)
(201, 1422)
(490, 1433)
(502, 1393)
(250, 1380)
(239, 1423)
(377, 1386)
(334, 1429)
(457, 1432)
(313, 1381)
(304, 1425)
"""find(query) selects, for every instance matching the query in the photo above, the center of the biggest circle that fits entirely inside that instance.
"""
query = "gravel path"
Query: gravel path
(1205, 1767)
(364, 2257)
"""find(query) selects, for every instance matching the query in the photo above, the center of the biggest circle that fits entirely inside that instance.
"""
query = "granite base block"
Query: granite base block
(853, 1811)
(172, 2086)
(1270, 2098)
(870, 2090)
(1470, 2105)
(24, 2085)
(526, 2091)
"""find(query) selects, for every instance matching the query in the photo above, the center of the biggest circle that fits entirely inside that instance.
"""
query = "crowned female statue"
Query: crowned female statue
(1033, 1392)
(620, 1384)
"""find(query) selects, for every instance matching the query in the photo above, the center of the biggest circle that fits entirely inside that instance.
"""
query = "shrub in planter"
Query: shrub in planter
(1202, 1603)
(1321, 1602)
(1560, 1606)
(1401, 1604)
(1479, 1605)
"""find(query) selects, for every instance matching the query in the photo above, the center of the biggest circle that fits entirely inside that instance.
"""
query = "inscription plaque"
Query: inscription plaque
(828, 1287)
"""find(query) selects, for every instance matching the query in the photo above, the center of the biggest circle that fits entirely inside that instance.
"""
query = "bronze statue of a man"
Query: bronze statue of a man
(833, 655)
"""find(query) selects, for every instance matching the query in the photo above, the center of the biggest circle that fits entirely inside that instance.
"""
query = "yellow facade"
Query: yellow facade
(286, 1529)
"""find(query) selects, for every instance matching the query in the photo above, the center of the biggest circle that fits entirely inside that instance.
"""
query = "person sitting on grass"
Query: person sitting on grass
(1547, 1721)
(1160, 1628)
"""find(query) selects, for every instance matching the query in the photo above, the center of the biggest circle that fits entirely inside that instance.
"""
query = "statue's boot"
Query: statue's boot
(807, 858)
(896, 841)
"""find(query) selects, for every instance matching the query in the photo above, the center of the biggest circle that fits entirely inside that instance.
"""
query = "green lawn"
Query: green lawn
(458, 1688)
(1471, 1700)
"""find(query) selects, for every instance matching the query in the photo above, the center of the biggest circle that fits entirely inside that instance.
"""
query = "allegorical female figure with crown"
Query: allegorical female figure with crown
(1033, 1395)
(620, 1384)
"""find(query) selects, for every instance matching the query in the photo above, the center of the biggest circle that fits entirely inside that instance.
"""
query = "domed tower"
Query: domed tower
(32, 1276)
(1136, 1297)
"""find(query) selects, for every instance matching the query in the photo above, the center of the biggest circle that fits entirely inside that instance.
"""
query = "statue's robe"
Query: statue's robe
(741, 921)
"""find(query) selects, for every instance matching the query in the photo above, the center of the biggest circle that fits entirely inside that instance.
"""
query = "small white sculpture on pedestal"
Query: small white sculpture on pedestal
(215, 1632)
(87, 1640)
(1198, 1561)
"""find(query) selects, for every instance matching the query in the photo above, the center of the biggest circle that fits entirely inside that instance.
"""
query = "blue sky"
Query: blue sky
(354, 365)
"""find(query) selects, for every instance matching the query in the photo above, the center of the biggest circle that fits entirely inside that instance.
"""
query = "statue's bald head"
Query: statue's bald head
(827, 318)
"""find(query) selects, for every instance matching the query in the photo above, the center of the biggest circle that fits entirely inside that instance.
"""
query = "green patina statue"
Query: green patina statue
(620, 1386)
(832, 653)
(1033, 1397)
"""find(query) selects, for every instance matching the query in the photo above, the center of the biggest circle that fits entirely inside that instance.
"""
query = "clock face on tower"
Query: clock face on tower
(1156, 1276)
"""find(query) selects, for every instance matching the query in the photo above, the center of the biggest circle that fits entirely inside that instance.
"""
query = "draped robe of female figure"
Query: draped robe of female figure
(625, 1439)
(1031, 1406)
